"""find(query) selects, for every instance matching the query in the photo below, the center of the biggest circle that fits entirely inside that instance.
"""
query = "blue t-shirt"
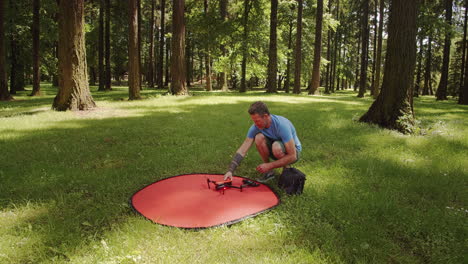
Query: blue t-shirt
(281, 129)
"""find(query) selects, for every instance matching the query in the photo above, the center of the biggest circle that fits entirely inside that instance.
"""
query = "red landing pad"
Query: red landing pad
(185, 201)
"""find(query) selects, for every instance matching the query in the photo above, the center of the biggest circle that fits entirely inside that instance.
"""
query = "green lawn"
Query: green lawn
(371, 196)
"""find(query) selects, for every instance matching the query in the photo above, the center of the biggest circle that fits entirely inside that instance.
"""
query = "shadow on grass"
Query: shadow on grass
(364, 199)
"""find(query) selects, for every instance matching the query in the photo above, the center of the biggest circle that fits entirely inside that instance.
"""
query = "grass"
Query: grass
(372, 195)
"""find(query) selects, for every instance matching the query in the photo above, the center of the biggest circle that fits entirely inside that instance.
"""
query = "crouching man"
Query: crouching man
(274, 136)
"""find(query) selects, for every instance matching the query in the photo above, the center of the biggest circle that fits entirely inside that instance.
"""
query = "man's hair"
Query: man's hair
(259, 108)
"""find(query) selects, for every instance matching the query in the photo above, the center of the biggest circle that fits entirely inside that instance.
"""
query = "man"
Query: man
(274, 136)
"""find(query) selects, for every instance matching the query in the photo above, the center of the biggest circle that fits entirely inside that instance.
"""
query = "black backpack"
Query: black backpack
(292, 181)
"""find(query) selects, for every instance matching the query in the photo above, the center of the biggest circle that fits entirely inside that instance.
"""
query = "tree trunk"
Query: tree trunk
(4, 93)
(35, 28)
(73, 91)
(427, 73)
(166, 66)
(208, 86)
(178, 49)
(329, 36)
(378, 62)
(107, 42)
(298, 50)
(364, 47)
(245, 22)
(463, 58)
(139, 43)
(441, 93)
(272, 53)
(222, 75)
(162, 46)
(101, 70)
(134, 76)
(392, 108)
(151, 48)
(373, 85)
(317, 49)
(417, 86)
(188, 54)
(287, 81)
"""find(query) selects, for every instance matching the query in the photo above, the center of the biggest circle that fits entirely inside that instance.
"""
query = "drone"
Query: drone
(224, 185)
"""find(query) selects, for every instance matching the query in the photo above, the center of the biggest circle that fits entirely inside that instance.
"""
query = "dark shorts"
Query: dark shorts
(270, 142)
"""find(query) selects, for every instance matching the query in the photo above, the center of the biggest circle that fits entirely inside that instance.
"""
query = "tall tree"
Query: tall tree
(73, 91)
(223, 4)
(298, 50)
(17, 70)
(208, 85)
(161, 45)
(427, 89)
(151, 47)
(329, 36)
(245, 23)
(178, 83)
(463, 92)
(101, 46)
(441, 93)
(4, 93)
(134, 76)
(463, 58)
(35, 36)
(272, 51)
(108, 83)
(317, 49)
(364, 47)
(392, 108)
(378, 62)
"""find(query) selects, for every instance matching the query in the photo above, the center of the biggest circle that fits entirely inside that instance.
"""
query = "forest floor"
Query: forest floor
(371, 195)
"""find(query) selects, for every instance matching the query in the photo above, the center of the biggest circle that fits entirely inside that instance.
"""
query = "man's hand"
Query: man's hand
(264, 167)
(228, 175)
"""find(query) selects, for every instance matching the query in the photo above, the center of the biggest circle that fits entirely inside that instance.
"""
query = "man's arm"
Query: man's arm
(289, 158)
(240, 154)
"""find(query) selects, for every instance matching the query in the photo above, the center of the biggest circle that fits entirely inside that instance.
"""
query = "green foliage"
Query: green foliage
(371, 196)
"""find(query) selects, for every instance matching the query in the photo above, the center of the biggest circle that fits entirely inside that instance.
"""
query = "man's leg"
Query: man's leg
(262, 147)
(262, 143)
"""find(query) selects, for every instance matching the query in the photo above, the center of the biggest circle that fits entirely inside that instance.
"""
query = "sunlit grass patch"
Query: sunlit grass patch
(371, 195)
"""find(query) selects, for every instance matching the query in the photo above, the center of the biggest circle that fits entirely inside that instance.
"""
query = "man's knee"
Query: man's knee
(259, 139)
(278, 149)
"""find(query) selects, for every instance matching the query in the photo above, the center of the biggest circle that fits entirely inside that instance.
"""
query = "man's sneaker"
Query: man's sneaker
(267, 176)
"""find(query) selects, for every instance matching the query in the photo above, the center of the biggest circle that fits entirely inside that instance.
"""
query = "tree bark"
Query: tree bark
(427, 73)
(463, 58)
(374, 61)
(162, 46)
(223, 4)
(108, 83)
(101, 71)
(317, 49)
(392, 108)
(417, 86)
(4, 93)
(35, 28)
(73, 91)
(178, 83)
(134, 74)
(208, 85)
(287, 80)
(245, 22)
(272, 53)
(441, 93)
(298, 49)
(364, 47)
(378, 62)
(151, 48)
